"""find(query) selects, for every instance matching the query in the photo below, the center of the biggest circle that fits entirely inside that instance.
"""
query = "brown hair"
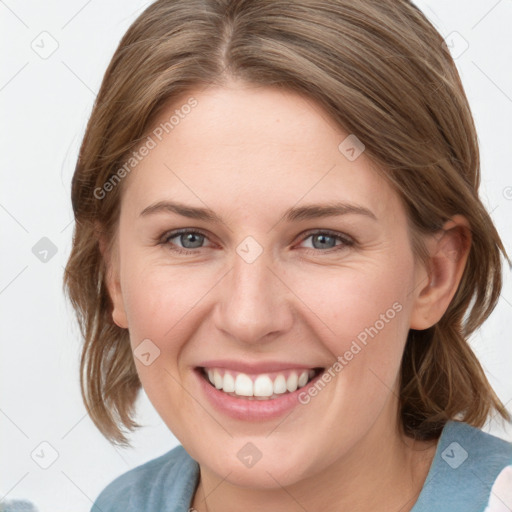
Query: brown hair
(380, 71)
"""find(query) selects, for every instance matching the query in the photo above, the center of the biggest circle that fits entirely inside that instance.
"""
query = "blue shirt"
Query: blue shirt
(466, 464)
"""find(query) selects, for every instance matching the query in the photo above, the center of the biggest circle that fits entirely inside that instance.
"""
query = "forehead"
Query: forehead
(254, 147)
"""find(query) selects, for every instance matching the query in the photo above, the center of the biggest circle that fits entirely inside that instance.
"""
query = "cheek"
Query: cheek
(341, 304)
(159, 297)
(350, 300)
(361, 315)
(159, 302)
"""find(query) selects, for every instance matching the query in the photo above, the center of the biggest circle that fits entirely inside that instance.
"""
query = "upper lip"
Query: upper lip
(255, 367)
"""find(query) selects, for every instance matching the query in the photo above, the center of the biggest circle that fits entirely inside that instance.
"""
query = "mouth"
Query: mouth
(258, 386)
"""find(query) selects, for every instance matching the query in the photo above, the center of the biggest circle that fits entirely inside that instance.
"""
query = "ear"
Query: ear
(436, 285)
(112, 281)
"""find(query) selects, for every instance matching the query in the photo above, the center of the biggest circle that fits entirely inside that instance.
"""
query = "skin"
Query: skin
(249, 153)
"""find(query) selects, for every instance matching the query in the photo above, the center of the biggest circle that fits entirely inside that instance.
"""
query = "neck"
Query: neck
(384, 471)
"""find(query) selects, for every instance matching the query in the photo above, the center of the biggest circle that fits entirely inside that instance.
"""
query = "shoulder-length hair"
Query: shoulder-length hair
(382, 72)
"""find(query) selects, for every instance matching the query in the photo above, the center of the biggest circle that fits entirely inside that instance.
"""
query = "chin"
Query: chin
(259, 469)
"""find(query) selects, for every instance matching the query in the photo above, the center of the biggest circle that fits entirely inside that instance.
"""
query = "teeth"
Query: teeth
(303, 379)
(292, 382)
(217, 379)
(280, 385)
(228, 383)
(263, 387)
(243, 385)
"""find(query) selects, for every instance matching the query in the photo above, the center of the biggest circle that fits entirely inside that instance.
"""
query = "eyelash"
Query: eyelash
(346, 241)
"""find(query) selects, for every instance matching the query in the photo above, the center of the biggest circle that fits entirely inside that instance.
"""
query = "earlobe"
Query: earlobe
(448, 250)
(119, 318)
(112, 282)
(116, 296)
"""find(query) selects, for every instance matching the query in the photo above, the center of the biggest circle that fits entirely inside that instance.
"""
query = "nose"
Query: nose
(254, 305)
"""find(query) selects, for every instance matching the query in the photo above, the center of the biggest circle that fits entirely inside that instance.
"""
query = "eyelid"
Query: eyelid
(335, 234)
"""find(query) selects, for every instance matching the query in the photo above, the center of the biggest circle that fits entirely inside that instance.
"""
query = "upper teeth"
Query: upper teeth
(263, 385)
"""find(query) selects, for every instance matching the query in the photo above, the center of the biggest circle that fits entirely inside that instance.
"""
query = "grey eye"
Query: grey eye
(322, 241)
(191, 240)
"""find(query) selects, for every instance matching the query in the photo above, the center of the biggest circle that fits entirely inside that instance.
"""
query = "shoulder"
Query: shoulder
(165, 483)
(466, 466)
(480, 451)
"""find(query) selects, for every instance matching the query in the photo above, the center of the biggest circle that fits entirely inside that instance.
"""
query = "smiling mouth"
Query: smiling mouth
(264, 386)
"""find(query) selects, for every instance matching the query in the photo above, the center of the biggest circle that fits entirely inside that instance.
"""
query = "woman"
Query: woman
(279, 237)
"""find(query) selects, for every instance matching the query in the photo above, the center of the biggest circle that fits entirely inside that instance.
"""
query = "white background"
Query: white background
(45, 106)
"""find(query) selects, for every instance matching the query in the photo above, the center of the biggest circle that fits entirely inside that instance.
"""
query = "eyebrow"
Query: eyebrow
(312, 211)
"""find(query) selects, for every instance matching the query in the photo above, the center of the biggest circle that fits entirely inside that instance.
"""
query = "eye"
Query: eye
(188, 238)
(325, 241)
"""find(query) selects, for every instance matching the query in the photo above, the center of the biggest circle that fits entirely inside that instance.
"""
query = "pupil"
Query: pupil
(322, 238)
(189, 237)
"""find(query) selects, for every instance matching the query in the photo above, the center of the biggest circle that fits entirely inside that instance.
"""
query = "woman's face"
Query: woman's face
(272, 286)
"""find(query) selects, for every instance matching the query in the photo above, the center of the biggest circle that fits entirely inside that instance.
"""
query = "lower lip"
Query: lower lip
(252, 410)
